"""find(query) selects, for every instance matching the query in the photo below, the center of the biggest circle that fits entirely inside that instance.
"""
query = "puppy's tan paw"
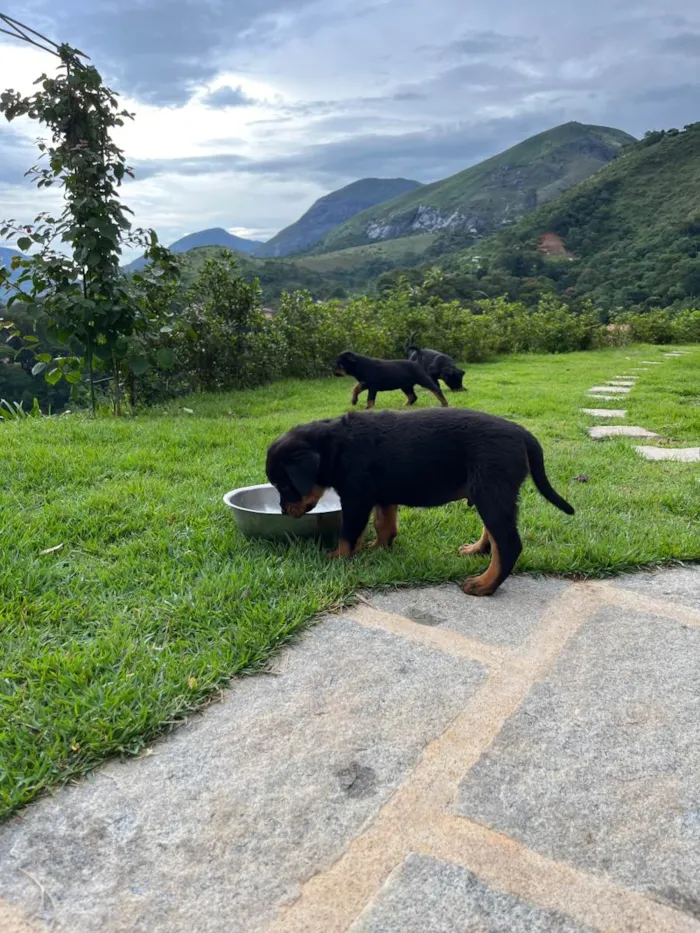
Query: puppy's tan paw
(473, 586)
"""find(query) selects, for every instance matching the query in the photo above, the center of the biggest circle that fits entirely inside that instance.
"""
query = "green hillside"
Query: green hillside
(331, 275)
(483, 198)
(629, 236)
(387, 253)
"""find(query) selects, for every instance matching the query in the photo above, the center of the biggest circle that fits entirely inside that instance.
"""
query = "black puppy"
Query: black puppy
(384, 375)
(438, 366)
(423, 458)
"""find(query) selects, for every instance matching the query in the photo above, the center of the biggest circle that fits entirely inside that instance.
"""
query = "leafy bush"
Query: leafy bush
(664, 326)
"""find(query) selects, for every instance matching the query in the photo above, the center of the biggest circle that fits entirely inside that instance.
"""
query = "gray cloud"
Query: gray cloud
(486, 43)
(16, 155)
(159, 50)
(687, 43)
(228, 96)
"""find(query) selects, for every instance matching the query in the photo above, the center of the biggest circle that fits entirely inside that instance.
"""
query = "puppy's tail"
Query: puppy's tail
(539, 477)
(412, 344)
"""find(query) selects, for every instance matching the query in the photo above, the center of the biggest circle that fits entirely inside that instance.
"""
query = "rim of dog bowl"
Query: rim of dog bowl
(234, 505)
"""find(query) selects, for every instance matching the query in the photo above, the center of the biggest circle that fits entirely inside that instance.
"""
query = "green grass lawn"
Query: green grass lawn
(154, 599)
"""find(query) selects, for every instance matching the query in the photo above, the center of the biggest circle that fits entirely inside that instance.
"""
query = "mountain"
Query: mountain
(629, 236)
(216, 236)
(6, 255)
(330, 211)
(491, 194)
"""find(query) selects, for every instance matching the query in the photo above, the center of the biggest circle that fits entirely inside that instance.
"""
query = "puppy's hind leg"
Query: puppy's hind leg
(499, 513)
(371, 398)
(429, 383)
(386, 525)
(482, 546)
(411, 396)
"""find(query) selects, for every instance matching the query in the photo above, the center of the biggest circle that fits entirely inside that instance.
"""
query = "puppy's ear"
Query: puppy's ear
(303, 471)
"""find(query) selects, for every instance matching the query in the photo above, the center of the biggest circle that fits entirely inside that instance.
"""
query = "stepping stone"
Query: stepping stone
(626, 383)
(626, 376)
(652, 362)
(620, 390)
(622, 430)
(605, 412)
(680, 454)
(673, 354)
(603, 398)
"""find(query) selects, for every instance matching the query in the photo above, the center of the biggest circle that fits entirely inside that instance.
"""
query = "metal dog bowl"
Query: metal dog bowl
(256, 510)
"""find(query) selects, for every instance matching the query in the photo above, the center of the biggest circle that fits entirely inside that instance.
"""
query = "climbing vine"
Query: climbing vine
(73, 273)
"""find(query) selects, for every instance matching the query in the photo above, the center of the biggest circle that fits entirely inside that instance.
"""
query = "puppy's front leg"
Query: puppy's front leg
(355, 518)
(356, 392)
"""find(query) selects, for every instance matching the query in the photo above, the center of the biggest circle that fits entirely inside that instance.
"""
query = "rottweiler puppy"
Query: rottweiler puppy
(438, 366)
(383, 375)
(385, 459)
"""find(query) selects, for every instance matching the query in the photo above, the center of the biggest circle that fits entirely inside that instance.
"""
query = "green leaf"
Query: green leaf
(38, 368)
(24, 243)
(53, 376)
(44, 357)
(74, 377)
(165, 358)
(139, 365)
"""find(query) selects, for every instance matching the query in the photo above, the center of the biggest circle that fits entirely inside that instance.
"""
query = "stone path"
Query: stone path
(605, 412)
(619, 430)
(425, 762)
(610, 390)
(680, 454)
(623, 384)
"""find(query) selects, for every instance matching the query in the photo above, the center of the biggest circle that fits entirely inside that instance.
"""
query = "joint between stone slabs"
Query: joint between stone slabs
(12, 920)
(446, 640)
(509, 866)
(611, 595)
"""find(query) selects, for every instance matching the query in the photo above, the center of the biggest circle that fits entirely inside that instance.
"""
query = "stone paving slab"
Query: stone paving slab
(427, 895)
(625, 383)
(600, 432)
(599, 767)
(679, 454)
(680, 585)
(653, 362)
(506, 618)
(223, 822)
(605, 412)
(603, 398)
(610, 390)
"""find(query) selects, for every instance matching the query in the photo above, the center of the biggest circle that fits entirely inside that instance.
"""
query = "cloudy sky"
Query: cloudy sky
(248, 110)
